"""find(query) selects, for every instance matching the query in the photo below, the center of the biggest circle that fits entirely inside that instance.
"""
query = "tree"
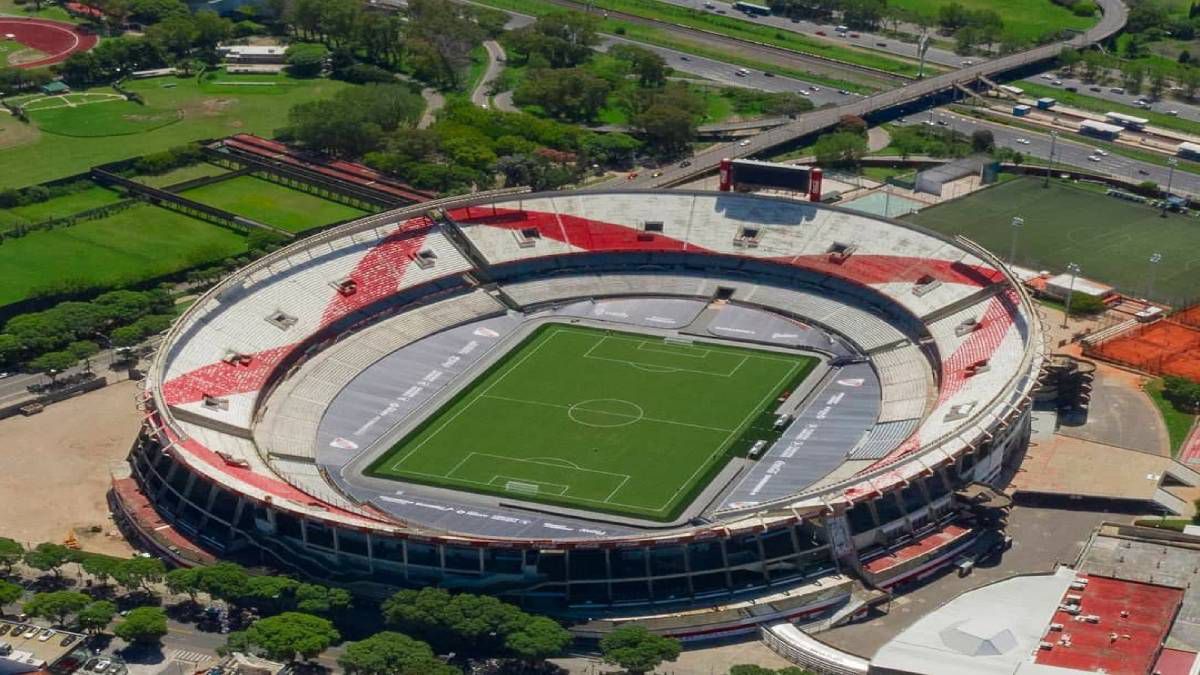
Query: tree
(389, 653)
(316, 599)
(53, 363)
(143, 624)
(224, 580)
(666, 128)
(558, 40)
(852, 124)
(48, 558)
(982, 140)
(267, 591)
(637, 650)
(10, 553)
(96, 616)
(840, 149)
(125, 336)
(184, 580)
(572, 94)
(10, 593)
(649, 67)
(56, 605)
(138, 573)
(101, 567)
(537, 639)
(284, 636)
(305, 59)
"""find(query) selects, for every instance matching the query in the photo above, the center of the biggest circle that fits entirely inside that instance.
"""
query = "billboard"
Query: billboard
(749, 174)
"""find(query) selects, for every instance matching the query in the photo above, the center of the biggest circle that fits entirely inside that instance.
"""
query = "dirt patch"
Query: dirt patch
(13, 132)
(208, 107)
(24, 56)
(54, 468)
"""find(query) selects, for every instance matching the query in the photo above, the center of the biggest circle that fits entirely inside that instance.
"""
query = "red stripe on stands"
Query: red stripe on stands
(584, 233)
(874, 268)
(379, 273)
(223, 379)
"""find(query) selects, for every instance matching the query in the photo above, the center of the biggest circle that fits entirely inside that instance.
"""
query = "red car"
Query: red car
(821, 33)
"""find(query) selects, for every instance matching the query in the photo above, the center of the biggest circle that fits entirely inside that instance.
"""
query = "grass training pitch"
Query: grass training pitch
(273, 204)
(606, 421)
(1111, 240)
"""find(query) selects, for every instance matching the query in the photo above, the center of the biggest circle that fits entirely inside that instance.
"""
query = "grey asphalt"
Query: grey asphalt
(1070, 149)
(1114, 404)
(495, 66)
(1187, 111)
(866, 40)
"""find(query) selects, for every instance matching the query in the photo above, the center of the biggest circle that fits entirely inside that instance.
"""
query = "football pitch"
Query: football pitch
(600, 420)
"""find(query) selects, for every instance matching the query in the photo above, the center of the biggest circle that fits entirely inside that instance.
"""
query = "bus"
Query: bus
(751, 8)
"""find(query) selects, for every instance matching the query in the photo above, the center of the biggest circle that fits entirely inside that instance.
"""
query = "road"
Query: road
(894, 47)
(496, 58)
(706, 161)
(1070, 149)
(1187, 111)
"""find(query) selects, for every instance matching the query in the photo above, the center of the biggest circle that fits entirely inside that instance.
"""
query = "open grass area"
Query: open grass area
(59, 207)
(640, 427)
(182, 174)
(1111, 240)
(13, 53)
(273, 204)
(31, 155)
(49, 10)
(103, 119)
(1178, 423)
(1025, 19)
(138, 243)
(1099, 105)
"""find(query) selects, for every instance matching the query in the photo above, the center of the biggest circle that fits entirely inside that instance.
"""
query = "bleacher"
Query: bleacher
(558, 288)
(289, 428)
(906, 381)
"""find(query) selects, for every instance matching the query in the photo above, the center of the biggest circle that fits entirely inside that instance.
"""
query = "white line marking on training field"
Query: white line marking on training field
(614, 414)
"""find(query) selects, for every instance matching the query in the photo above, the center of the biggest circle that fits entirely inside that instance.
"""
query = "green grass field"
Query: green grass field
(1178, 423)
(107, 118)
(1026, 19)
(29, 155)
(132, 245)
(182, 174)
(1110, 239)
(637, 430)
(58, 207)
(273, 204)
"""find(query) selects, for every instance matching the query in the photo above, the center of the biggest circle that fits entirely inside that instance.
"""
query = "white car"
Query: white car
(1047, 76)
(1098, 151)
(46, 635)
(1172, 113)
(1057, 83)
(744, 143)
(33, 630)
(102, 666)
(1093, 158)
(968, 63)
(814, 88)
(1023, 141)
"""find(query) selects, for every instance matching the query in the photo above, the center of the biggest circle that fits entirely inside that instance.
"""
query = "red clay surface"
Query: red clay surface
(1167, 347)
(55, 39)
(927, 544)
(1175, 662)
(1190, 452)
(1117, 645)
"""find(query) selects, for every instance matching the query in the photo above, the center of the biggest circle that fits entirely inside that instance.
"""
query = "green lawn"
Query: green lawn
(109, 118)
(638, 429)
(273, 204)
(182, 174)
(30, 156)
(1026, 19)
(137, 243)
(59, 207)
(11, 48)
(1178, 423)
(49, 10)
(1110, 239)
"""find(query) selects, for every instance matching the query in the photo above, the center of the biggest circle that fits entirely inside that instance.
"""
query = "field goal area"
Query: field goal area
(599, 420)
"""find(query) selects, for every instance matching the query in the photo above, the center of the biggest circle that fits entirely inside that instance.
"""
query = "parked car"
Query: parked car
(31, 632)
(46, 635)
(66, 641)
(4, 628)
(102, 666)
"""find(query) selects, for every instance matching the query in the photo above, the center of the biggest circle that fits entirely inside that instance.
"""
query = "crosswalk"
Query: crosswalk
(189, 656)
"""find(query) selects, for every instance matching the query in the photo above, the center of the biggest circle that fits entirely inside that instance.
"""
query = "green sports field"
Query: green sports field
(600, 420)
(1111, 240)
(272, 203)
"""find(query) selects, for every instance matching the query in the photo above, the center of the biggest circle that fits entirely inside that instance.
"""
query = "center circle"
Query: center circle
(606, 412)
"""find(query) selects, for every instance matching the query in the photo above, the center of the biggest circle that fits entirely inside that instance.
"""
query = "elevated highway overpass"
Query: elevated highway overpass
(705, 162)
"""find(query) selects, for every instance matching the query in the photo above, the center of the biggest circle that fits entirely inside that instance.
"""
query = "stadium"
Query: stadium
(594, 402)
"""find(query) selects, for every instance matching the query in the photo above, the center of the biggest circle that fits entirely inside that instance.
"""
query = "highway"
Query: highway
(869, 41)
(1070, 149)
(706, 161)
(1187, 111)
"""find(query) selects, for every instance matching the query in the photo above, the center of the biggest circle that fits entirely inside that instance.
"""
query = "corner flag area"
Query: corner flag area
(621, 423)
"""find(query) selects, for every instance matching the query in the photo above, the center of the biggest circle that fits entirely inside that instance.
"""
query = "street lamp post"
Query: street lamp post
(1074, 270)
(1171, 162)
(1050, 166)
(1017, 222)
(1155, 258)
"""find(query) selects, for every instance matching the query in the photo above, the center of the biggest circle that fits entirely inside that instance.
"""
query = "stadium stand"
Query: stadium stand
(238, 391)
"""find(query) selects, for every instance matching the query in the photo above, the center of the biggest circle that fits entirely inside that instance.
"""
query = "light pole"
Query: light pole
(1050, 166)
(1155, 258)
(1074, 270)
(1017, 222)
(1171, 162)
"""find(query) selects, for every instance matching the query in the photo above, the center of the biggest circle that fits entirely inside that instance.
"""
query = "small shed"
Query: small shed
(55, 88)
